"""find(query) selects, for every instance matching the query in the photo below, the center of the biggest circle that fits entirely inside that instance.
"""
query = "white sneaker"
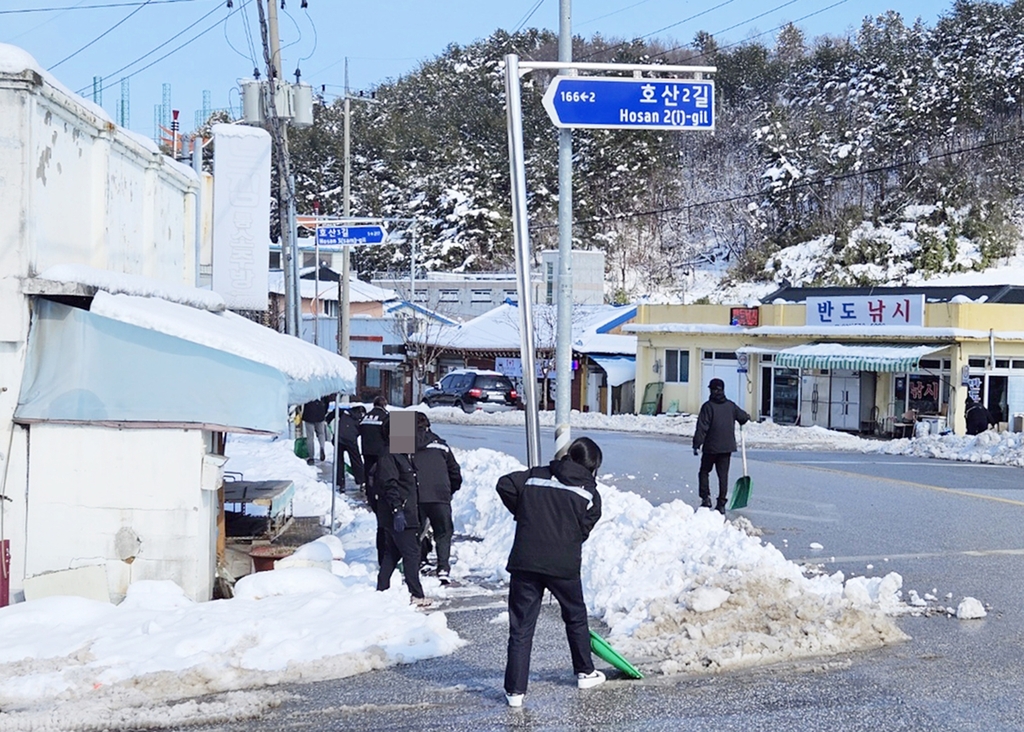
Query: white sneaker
(423, 602)
(514, 700)
(443, 576)
(588, 681)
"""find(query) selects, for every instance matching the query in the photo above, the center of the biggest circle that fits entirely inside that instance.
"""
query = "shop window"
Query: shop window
(923, 393)
(677, 366)
(930, 363)
(1002, 363)
(372, 378)
(1017, 363)
(976, 363)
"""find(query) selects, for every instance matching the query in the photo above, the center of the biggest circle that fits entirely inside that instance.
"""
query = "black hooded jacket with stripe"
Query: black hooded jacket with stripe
(555, 507)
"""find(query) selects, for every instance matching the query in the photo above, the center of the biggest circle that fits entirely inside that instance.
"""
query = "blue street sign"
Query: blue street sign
(335, 236)
(631, 104)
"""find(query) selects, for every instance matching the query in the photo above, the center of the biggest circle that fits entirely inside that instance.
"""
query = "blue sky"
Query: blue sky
(382, 39)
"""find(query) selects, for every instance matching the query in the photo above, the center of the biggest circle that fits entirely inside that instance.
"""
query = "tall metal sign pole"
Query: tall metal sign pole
(618, 102)
(521, 235)
(563, 325)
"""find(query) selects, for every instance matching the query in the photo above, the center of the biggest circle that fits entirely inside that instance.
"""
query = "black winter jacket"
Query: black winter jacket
(978, 419)
(555, 507)
(348, 426)
(370, 432)
(430, 475)
(314, 411)
(437, 471)
(396, 490)
(715, 424)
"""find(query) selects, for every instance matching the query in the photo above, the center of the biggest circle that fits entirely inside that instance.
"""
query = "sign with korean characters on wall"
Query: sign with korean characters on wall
(866, 310)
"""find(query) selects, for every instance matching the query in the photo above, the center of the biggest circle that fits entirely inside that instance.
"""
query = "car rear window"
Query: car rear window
(493, 382)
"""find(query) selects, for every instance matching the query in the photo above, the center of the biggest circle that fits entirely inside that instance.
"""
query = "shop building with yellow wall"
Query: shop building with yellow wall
(888, 361)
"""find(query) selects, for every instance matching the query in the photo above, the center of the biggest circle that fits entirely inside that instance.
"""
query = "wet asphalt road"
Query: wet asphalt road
(945, 527)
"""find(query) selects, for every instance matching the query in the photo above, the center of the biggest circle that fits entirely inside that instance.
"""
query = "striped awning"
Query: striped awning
(854, 357)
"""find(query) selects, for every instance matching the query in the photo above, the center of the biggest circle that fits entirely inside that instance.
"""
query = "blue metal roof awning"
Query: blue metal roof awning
(85, 368)
(854, 357)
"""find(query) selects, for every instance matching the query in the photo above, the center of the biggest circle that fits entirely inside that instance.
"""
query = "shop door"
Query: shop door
(845, 401)
(814, 399)
(727, 369)
(785, 396)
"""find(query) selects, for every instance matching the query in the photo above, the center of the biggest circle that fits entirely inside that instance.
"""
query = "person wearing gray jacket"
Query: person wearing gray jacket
(716, 433)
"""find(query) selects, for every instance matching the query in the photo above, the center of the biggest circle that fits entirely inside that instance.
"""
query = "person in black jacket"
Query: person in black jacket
(555, 507)
(313, 415)
(717, 434)
(371, 436)
(396, 505)
(437, 477)
(348, 443)
(978, 417)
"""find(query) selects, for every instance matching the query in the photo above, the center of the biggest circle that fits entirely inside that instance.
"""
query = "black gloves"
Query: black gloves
(696, 451)
(399, 521)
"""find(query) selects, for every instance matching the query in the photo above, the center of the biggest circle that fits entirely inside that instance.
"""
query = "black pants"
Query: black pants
(355, 459)
(720, 462)
(440, 517)
(369, 467)
(405, 546)
(525, 593)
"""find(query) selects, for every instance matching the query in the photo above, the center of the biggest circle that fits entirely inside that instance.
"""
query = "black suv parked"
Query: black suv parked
(472, 389)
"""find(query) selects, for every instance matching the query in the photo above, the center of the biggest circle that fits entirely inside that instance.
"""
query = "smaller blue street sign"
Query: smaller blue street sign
(599, 102)
(335, 236)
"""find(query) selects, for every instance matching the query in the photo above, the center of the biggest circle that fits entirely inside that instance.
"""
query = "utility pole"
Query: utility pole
(286, 182)
(563, 328)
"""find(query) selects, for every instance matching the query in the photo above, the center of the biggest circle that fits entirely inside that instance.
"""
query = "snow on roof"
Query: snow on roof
(311, 371)
(358, 291)
(14, 60)
(132, 284)
(498, 329)
(226, 130)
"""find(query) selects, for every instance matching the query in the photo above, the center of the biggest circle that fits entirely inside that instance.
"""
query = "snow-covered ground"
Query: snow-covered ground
(680, 590)
(996, 448)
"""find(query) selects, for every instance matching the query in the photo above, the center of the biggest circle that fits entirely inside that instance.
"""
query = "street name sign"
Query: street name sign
(598, 102)
(338, 236)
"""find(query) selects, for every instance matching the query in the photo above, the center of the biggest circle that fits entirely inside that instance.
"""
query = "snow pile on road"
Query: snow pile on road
(995, 448)
(758, 434)
(687, 590)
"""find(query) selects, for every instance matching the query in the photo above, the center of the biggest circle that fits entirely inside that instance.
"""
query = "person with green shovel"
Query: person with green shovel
(555, 507)
(717, 435)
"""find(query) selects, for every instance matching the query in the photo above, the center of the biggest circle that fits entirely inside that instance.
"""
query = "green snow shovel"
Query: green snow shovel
(741, 491)
(604, 651)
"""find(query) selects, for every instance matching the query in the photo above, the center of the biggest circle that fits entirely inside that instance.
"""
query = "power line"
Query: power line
(796, 186)
(529, 14)
(673, 25)
(101, 35)
(614, 12)
(756, 35)
(241, 5)
(40, 25)
(91, 7)
(150, 53)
